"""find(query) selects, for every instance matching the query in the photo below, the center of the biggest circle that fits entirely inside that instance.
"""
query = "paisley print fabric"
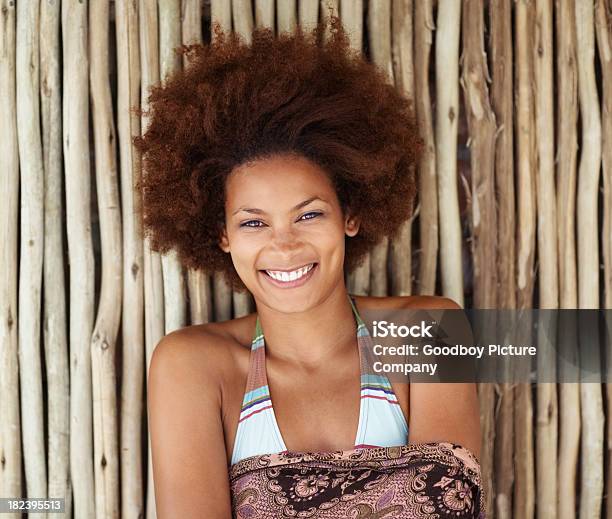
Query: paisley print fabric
(427, 480)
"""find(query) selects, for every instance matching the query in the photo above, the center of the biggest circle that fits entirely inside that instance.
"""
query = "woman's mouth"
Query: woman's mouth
(290, 278)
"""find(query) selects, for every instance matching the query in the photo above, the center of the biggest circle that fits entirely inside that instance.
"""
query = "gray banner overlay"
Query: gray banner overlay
(503, 346)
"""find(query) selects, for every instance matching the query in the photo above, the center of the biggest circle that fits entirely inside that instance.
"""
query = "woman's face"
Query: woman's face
(285, 231)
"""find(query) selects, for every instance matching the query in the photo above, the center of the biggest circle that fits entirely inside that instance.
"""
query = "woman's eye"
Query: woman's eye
(252, 223)
(310, 215)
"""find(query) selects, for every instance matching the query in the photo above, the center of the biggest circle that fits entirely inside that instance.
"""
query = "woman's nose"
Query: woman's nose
(286, 238)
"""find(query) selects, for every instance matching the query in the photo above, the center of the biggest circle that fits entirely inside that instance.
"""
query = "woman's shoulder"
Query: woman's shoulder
(211, 348)
(406, 302)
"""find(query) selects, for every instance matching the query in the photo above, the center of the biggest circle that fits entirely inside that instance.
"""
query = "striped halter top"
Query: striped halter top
(381, 420)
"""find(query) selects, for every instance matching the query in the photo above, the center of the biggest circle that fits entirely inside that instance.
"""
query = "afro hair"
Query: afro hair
(305, 93)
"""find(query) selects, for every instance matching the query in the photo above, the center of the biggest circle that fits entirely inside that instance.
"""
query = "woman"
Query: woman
(281, 163)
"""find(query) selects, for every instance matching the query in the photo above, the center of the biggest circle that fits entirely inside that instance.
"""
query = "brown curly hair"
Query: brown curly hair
(294, 93)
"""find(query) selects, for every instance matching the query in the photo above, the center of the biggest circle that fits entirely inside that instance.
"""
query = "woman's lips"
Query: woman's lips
(290, 284)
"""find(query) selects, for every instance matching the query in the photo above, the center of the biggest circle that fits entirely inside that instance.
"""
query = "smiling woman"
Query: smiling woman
(280, 164)
(295, 236)
(291, 95)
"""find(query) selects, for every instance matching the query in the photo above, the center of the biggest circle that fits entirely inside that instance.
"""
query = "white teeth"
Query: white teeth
(280, 275)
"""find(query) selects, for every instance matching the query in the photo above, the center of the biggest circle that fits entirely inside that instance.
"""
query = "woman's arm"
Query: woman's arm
(445, 411)
(187, 442)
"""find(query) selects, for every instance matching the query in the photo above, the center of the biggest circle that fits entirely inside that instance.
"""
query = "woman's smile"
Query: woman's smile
(290, 278)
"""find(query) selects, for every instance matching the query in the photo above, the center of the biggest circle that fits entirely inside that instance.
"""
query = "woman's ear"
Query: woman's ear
(351, 225)
(223, 241)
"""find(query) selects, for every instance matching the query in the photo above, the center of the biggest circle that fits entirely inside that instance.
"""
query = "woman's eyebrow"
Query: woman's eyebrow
(255, 210)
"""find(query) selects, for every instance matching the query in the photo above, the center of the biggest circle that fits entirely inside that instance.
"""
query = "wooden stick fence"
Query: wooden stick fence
(514, 202)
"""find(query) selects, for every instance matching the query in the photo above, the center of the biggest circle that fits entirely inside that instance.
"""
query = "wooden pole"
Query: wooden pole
(308, 14)
(153, 283)
(242, 17)
(379, 34)
(546, 420)
(603, 25)
(10, 426)
(32, 243)
(175, 313)
(286, 16)
(500, 15)
(106, 328)
(329, 7)
(400, 249)
(544, 112)
(447, 115)
(524, 487)
(567, 114)
(482, 130)
(191, 22)
(526, 158)
(80, 251)
(591, 400)
(54, 304)
(264, 13)
(351, 13)
(221, 12)
(128, 126)
(428, 190)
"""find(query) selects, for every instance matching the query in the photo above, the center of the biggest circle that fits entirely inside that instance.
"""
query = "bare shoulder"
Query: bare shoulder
(189, 360)
(185, 393)
(207, 348)
(406, 302)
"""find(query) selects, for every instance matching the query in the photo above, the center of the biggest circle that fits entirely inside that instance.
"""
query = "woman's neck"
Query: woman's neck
(310, 339)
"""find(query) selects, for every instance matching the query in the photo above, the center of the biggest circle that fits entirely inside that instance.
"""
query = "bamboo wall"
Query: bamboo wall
(514, 101)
